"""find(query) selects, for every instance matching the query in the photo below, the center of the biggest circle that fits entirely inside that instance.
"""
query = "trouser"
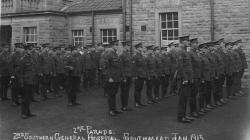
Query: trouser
(4, 86)
(26, 99)
(149, 88)
(202, 94)
(15, 90)
(58, 82)
(208, 92)
(229, 84)
(45, 85)
(139, 82)
(183, 97)
(37, 80)
(125, 88)
(156, 87)
(89, 78)
(173, 84)
(71, 88)
(236, 82)
(164, 85)
(112, 91)
(193, 94)
(218, 90)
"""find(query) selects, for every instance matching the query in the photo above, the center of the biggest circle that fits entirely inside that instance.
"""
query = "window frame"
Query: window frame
(108, 36)
(171, 21)
(76, 38)
(29, 33)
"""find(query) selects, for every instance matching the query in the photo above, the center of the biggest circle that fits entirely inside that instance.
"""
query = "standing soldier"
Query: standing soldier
(151, 74)
(111, 67)
(27, 74)
(72, 73)
(158, 74)
(139, 73)
(196, 65)
(5, 72)
(185, 71)
(166, 67)
(127, 69)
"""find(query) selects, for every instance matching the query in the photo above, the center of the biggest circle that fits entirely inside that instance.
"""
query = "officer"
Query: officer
(139, 72)
(196, 66)
(5, 72)
(72, 73)
(111, 66)
(127, 69)
(185, 71)
(27, 74)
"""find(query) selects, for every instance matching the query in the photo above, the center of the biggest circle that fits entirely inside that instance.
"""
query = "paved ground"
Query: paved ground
(230, 122)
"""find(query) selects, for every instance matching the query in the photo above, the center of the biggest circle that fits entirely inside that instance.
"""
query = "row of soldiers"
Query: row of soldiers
(196, 72)
(189, 69)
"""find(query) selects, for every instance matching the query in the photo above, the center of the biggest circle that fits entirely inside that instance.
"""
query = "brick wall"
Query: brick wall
(84, 22)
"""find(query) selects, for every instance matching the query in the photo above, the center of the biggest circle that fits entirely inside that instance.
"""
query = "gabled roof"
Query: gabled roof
(95, 5)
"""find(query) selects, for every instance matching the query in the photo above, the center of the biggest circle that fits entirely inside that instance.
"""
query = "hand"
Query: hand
(111, 80)
(202, 81)
(185, 82)
(12, 77)
(124, 80)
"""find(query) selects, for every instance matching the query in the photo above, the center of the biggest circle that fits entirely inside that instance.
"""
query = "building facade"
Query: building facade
(152, 22)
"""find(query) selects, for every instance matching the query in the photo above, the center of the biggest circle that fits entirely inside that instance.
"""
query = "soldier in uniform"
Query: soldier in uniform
(72, 72)
(158, 74)
(5, 72)
(139, 73)
(196, 65)
(111, 67)
(127, 69)
(185, 71)
(166, 67)
(26, 74)
(151, 75)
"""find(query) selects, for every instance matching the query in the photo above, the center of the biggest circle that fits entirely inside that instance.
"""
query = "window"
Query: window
(78, 38)
(30, 35)
(108, 35)
(169, 27)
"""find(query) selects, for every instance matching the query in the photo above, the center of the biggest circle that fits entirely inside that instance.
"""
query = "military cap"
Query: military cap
(228, 43)
(37, 47)
(57, 48)
(19, 45)
(70, 48)
(203, 45)
(194, 40)
(106, 45)
(28, 47)
(184, 38)
(89, 45)
(45, 45)
(99, 44)
(139, 45)
(164, 48)
(171, 44)
(113, 42)
(156, 48)
(151, 47)
(238, 41)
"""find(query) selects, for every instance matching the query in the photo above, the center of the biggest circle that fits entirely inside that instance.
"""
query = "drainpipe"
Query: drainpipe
(93, 28)
(124, 7)
(131, 24)
(212, 19)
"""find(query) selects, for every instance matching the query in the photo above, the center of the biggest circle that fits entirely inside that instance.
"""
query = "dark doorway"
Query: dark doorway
(6, 34)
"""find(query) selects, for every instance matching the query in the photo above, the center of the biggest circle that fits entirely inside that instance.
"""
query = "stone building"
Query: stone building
(157, 22)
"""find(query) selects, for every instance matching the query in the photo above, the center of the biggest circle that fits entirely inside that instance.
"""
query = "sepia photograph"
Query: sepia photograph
(124, 70)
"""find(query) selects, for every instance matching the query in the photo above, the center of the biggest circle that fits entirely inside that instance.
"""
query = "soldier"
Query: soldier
(139, 73)
(205, 85)
(15, 77)
(5, 72)
(166, 67)
(196, 66)
(239, 49)
(127, 69)
(158, 74)
(111, 67)
(27, 74)
(151, 75)
(73, 71)
(185, 71)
